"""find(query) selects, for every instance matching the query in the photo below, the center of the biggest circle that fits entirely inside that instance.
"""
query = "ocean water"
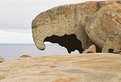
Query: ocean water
(10, 51)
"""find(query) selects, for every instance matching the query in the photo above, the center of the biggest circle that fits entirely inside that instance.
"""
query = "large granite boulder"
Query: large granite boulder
(58, 24)
(104, 28)
(69, 26)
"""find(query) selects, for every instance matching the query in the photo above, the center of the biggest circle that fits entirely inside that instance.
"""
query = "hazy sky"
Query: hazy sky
(16, 17)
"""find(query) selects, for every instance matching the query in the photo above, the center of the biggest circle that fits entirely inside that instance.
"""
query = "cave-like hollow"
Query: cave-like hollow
(70, 42)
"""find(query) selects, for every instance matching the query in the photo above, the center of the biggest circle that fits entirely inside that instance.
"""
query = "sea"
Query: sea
(11, 51)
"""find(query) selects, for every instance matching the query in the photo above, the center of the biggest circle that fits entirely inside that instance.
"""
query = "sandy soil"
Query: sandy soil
(68, 68)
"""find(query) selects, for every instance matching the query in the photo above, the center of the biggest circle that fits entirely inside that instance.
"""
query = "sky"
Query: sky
(16, 17)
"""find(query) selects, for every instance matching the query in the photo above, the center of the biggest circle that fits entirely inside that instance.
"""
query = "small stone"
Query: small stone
(117, 52)
(25, 56)
(91, 49)
(1, 59)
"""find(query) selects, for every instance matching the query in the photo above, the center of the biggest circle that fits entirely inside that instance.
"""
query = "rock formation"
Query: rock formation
(104, 28)
(75, 26)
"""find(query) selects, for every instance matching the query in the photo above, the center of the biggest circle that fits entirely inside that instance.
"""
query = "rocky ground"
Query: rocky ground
(68, 68)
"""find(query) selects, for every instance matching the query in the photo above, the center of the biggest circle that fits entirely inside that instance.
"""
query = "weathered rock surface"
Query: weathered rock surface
(64, 21)
(69, 68)
(91, 22)
(104, 28)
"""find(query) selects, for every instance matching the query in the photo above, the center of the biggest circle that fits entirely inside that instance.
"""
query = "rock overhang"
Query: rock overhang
(54, 25)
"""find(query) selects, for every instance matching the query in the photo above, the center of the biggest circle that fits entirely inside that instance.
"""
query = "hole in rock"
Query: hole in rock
(70, 42)
(110, 50)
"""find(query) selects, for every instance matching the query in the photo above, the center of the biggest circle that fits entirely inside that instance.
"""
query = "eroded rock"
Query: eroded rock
(64, 21)
(91, 22)
(104, 28)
